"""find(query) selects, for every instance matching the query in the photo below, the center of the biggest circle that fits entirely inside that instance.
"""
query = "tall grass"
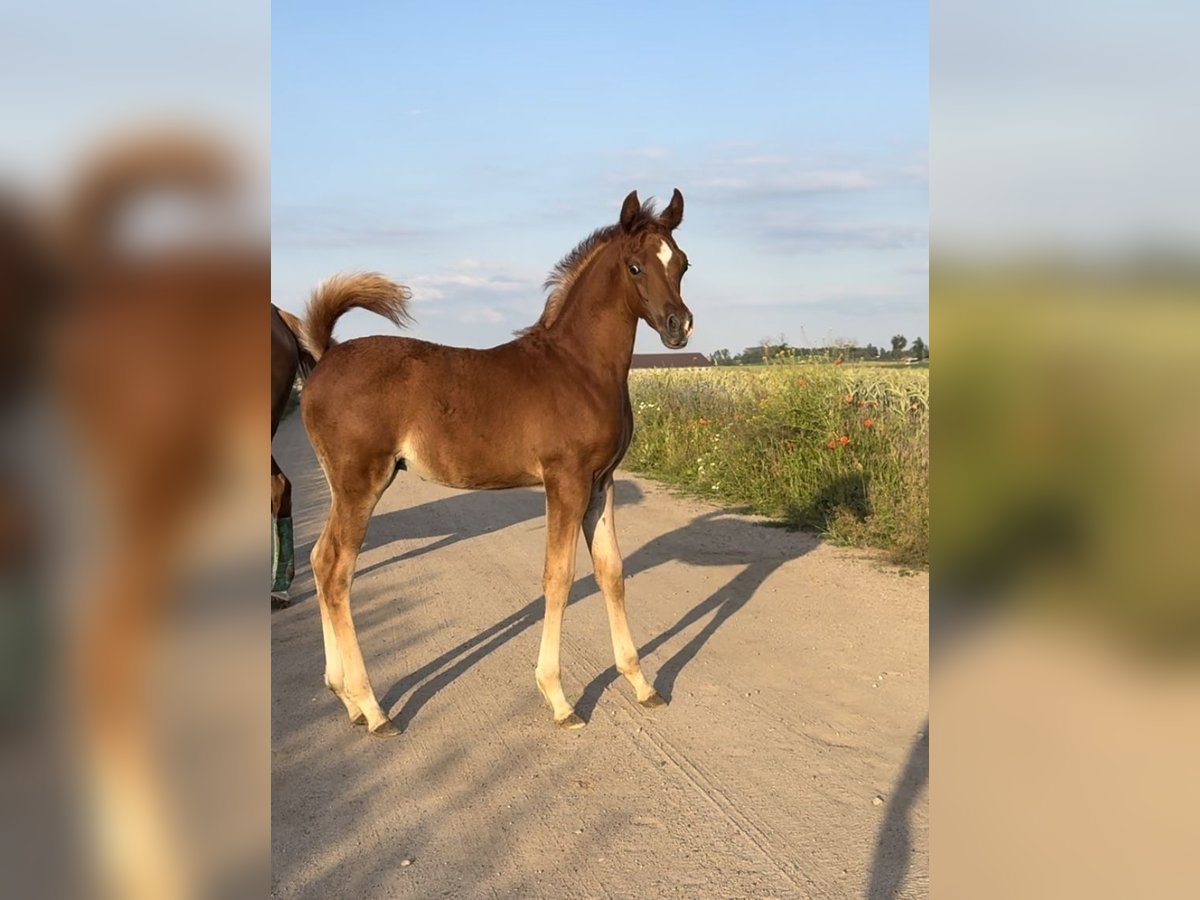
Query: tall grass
(842, 450)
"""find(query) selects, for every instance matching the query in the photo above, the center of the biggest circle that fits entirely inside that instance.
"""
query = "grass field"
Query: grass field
(842, 450)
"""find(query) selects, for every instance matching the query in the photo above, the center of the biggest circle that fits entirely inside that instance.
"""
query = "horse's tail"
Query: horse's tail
(137, 165)
(341, 293)
(296, 327)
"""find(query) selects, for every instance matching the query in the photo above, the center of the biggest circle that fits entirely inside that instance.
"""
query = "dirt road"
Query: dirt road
(791, 761)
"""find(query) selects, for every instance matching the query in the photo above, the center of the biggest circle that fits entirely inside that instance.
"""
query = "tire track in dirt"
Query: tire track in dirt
(757, 780)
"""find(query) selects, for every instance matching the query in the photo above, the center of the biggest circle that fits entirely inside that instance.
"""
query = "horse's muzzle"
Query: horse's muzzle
(678, 330)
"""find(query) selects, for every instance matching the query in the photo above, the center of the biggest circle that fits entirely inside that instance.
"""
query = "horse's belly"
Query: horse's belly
(442, 465)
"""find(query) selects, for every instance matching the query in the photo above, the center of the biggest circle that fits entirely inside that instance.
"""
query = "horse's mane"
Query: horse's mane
(566, 271)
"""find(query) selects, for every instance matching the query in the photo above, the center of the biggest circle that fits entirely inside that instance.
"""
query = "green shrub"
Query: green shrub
(842, 450)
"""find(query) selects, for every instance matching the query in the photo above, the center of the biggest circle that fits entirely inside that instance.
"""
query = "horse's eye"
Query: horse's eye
(634, 269)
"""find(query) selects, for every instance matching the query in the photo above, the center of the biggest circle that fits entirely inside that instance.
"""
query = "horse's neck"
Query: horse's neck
(596, 322)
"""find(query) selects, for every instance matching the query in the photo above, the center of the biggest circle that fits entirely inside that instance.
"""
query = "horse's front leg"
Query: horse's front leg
(566, 502)
(600, 532)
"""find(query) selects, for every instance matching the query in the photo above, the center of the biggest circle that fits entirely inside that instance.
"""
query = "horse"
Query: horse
(155, 425)
(288, 359)
(550, 408)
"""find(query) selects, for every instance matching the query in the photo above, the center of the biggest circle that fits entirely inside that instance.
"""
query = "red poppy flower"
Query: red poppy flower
(868, 422)
(844, 440)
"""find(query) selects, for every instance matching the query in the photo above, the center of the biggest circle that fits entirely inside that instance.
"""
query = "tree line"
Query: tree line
(778, 349)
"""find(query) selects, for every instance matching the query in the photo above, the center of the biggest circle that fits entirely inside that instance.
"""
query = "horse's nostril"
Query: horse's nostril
(673, 322)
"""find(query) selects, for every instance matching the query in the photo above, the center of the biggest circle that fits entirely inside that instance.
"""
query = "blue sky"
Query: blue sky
(464, 148)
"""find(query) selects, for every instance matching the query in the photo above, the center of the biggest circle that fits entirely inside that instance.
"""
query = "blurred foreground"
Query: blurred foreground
(1065, 602)
(133, 615)
(1065, 594)
(1066, 475)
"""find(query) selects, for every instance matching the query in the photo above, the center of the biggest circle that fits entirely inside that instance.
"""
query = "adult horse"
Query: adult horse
(288, 359)
(551, 408)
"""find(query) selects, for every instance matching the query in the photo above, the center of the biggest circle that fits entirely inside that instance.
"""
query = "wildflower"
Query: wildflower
(703, 421)
(862, 403)
(838, 361)
(844, 440)
(831, 444)
(868, 422)
(849, 398)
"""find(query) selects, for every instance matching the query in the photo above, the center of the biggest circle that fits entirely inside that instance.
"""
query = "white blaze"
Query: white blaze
(665, 254)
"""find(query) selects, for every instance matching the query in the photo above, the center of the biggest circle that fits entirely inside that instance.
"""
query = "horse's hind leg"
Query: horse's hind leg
(333, 559)
(283, 564)
(600, 532)
(566, 500)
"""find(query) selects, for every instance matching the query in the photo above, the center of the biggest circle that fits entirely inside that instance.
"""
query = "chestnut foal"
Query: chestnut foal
(551, 408)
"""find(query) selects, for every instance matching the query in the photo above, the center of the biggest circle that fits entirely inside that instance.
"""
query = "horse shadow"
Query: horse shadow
(893, 844)
(718, 538)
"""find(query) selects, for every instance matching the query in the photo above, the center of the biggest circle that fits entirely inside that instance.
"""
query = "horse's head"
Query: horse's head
(654, 267)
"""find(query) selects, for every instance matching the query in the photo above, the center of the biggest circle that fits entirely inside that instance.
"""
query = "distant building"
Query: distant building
(670, 361)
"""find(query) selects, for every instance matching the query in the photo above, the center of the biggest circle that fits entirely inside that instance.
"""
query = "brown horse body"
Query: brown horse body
(551, 407)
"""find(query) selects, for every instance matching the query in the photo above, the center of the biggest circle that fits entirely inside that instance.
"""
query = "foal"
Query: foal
(551, 408)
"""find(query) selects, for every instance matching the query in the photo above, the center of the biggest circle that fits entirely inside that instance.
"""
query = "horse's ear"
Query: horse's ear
(673, 214)
(629, 210)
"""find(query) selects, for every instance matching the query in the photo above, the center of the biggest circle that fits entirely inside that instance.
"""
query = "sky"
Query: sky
(76, 73)
(463, 149)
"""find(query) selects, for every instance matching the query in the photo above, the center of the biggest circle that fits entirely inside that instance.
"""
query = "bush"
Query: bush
(842, 450)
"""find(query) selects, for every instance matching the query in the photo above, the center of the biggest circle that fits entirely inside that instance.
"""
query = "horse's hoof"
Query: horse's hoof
(570, 721)
(280, 600)
(654, 700)
(386, 728)
(359, 720)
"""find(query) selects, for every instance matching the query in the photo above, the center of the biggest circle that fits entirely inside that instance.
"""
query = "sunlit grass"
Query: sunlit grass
(842, 450)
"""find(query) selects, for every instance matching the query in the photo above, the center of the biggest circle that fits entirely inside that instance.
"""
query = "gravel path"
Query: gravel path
(791, 762)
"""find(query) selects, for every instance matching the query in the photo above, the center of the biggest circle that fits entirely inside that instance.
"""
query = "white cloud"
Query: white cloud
(439, 285)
